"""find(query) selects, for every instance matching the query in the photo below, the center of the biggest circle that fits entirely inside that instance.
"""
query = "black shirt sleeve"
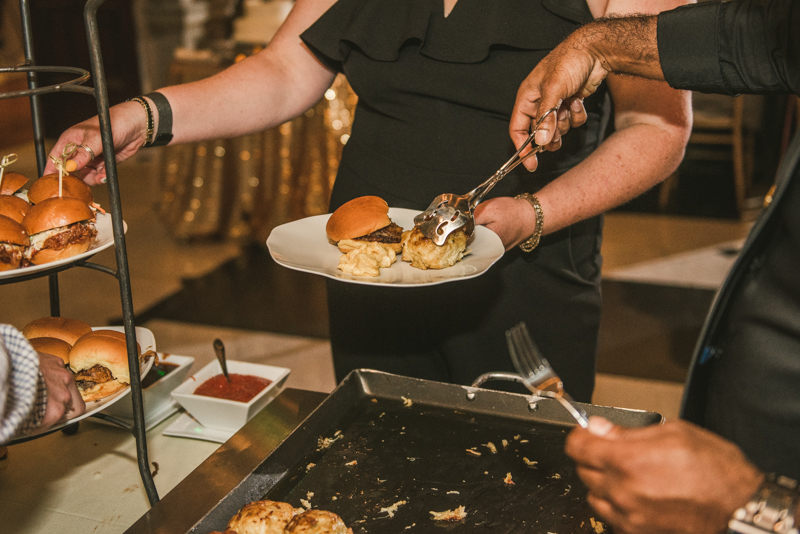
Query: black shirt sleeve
(735, 47)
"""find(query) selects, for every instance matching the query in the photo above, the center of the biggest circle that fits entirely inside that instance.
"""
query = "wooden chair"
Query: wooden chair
(723, 129)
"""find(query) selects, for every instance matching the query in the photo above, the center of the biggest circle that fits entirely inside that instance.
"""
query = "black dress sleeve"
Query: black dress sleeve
(747, 46)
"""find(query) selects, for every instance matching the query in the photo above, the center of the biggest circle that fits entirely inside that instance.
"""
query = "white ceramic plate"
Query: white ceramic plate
(104, 239)
(159, 415)
(303, 246)
(186, 426)
(147, 342)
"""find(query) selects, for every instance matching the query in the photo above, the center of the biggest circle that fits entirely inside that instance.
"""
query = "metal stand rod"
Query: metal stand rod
(101, 94)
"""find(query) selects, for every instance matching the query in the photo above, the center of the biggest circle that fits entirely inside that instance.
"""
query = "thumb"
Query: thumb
(600, 426)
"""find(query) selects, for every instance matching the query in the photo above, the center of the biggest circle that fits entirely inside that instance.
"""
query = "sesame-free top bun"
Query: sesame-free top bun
(72, 187)
(54, 213)
(63, 328)
(51, 345)
(12, 182)
(13, 232)
(358, 217)
(105, 348)
(13, 207)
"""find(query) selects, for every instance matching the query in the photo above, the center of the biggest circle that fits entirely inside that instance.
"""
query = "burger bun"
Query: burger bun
(51, 345)
(71, 187)
(63, 328)
(12, 182)
(357, 218)
(13, 207)
(55, 213)
(106, 348)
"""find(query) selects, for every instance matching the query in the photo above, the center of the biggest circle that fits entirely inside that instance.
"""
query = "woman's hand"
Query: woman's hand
(514, 220)
(675, 478)
(128, 124)
(63, 398)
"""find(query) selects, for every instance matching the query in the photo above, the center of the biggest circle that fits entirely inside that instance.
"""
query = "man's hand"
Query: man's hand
(63, 398)
(514, 220)
(675, 478)
(561, 80)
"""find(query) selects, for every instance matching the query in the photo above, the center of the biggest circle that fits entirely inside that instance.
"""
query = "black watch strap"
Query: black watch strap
(164, 134)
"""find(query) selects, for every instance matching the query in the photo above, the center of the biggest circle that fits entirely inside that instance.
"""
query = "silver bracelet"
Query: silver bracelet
(771, 509)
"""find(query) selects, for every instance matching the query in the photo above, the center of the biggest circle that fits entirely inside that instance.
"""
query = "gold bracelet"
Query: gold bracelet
(533, 241)
(148, 137)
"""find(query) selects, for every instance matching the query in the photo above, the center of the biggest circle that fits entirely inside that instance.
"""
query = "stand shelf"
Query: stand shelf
(99, 91)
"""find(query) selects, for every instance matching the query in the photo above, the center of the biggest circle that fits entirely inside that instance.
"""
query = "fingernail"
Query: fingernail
(576, 106)
(600, 426)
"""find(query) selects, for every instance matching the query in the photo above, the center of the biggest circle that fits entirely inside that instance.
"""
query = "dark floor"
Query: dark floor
(647, 331)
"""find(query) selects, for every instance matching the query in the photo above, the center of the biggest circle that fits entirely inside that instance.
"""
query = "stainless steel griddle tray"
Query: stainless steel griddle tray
(416, 451)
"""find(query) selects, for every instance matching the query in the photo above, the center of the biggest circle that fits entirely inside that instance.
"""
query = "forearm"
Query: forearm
(648, 144)
(262, 91)
(626, 45)
(253, 95)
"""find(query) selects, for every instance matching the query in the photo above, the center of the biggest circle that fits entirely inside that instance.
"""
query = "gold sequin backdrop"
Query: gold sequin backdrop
(244, 187)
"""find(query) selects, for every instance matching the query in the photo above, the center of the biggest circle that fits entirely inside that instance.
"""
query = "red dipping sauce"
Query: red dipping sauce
(241, 388)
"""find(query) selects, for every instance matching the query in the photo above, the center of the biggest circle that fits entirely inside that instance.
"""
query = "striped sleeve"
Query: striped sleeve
(23, 397)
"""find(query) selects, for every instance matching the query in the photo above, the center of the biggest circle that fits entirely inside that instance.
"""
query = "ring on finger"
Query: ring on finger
(89, 150)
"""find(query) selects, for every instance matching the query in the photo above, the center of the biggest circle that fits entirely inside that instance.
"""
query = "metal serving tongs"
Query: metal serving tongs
(449, 212)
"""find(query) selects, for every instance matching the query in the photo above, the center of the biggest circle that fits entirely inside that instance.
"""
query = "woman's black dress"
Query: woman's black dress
(435, 97)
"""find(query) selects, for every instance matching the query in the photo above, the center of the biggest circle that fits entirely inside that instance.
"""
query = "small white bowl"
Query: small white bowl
(222, 414)
(157, 397)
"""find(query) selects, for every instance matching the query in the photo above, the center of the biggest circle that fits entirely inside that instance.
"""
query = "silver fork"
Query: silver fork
(537, 374)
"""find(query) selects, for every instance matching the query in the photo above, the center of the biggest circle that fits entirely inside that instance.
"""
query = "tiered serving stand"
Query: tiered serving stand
(122, 274)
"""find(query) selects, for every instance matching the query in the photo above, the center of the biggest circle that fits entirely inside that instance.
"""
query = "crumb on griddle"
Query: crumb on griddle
(473, 451)
(354, 462)
(390, 510)
(407, 402)
(324, 443)
(306, 504)
(569, 487)
(309, 466)
(491, 447)
(508, 480)
(598, 527)
(530, 463)
(454, 492)
(555, 476)
(374, 400)
(411, 525)
(505, 443)
(523, 441)
(450, 515)
(516, 438)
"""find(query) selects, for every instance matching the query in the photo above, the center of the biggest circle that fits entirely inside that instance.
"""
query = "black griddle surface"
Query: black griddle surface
(383, 452)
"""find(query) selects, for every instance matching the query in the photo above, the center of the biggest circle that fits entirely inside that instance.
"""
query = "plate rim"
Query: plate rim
(66, 263)
(369, 281)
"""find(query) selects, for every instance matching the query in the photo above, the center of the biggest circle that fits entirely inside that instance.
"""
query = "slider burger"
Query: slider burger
(14, 244)
(363, 220)
(59, 228)
(99, 360)
(12, 183)
(63, 328)
(14, 207)
(47, 187)
(51, 345)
